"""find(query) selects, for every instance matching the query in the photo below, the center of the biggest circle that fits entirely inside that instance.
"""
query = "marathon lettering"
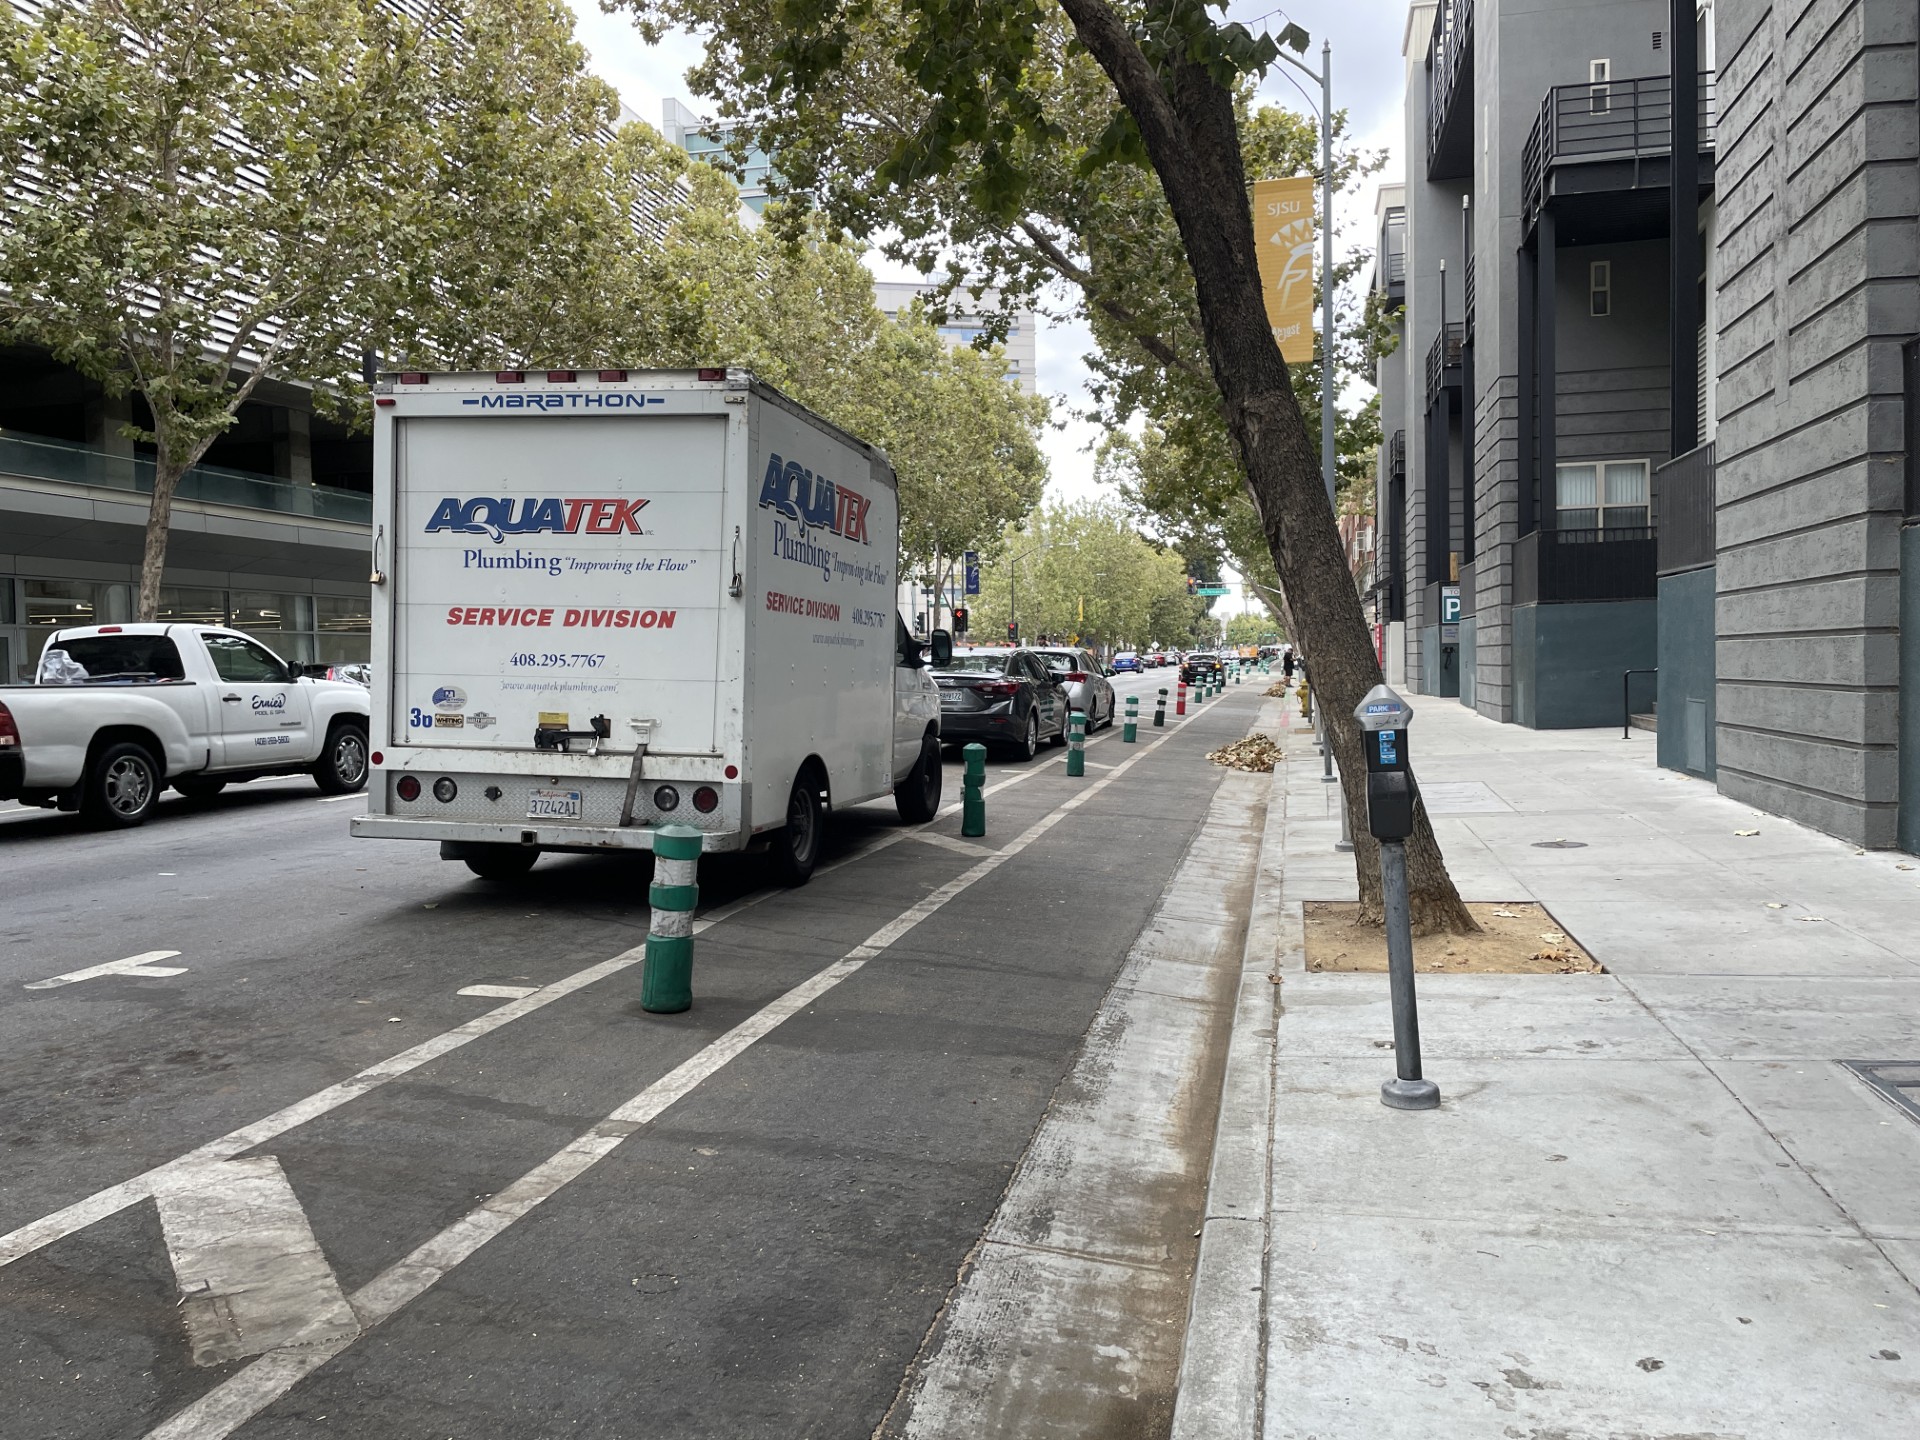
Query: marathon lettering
(538, 618)
(496, 517)
(801, 605)
(815, 501)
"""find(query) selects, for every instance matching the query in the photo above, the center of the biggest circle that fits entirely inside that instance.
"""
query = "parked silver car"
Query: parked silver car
(1085, 678)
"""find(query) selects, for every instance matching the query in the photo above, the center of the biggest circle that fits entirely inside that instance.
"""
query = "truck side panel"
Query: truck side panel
(820, 579)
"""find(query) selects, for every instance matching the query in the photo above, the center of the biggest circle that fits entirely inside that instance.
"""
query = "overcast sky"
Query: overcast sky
(1368, 79)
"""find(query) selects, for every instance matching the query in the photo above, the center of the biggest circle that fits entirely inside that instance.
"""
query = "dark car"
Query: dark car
(1201, 665)
(1001, 697)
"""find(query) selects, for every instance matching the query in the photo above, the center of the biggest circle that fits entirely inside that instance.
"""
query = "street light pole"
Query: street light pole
(1325, 76)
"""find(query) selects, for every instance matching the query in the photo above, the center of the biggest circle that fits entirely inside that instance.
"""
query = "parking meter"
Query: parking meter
(1384, 718)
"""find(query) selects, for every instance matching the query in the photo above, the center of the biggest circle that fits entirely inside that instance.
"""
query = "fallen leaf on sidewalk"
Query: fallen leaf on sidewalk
(1776, 905)
(1256, 752)
(1746, 832)
(1554, 937)
(1903, 867)
(1810, 919)
(1508, 914)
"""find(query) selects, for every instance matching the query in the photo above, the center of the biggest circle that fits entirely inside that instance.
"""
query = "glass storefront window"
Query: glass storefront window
(257, 610)
(56, 604)
(180, 605)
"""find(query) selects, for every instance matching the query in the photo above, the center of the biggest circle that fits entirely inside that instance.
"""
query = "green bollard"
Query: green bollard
(1130, 732)
(973, 804)
(666, 974)
(1077, 743)
(1160, 708)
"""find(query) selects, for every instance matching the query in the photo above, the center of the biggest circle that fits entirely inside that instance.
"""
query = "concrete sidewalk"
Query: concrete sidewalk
(1653, 1203)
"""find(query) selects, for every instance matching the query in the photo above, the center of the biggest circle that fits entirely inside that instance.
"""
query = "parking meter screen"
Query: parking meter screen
(1389, 746)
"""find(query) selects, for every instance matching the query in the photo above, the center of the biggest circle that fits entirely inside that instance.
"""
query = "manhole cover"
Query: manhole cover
(1898, 1080)
(1559, 844)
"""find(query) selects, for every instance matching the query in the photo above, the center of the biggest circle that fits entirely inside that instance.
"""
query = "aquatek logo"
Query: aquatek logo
(501, 516)
(814, 500)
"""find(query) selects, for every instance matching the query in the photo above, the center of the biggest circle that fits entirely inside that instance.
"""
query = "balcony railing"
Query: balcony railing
(1443, 356)
(1397, 453)
(66, 464)
(1683, 510)
(1450, 92)
(1392, 269)
(1558, 566)
(1620, 120)
(1470, 293)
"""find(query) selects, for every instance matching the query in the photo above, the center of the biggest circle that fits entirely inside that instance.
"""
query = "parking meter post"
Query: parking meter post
(1391, 792)
(666, 974)
(1077, 742)
(1160, 708)
(1130, 732)
(973, 800)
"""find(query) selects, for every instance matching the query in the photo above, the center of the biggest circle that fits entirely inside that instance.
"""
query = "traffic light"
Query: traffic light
(960, 619)
(1013, 632)
(1192, 584)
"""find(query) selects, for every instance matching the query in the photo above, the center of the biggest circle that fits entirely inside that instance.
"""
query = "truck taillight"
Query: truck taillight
(413, 377)
(509, 377)
(561, 377)
(9, 732)
(613, 374)
(712, 372)
(706, 799)
(407, 788)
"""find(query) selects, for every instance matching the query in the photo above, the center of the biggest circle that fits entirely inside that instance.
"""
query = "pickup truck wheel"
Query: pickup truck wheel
(500, 862)
(917, 797)
(197, 789)
(342, 766)
(796, 849)
(121, 786)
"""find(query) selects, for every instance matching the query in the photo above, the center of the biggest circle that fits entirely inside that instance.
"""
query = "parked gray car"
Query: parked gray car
(1085, 679)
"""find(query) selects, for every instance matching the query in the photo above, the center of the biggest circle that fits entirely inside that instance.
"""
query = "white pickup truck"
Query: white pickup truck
(120, 712)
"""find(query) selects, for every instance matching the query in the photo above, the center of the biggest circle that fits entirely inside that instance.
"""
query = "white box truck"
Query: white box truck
(604, 601)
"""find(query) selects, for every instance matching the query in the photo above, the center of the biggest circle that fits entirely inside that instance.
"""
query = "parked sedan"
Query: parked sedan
(1126, 662)
(1088, 690)
(1001, 697)
(1202, 664)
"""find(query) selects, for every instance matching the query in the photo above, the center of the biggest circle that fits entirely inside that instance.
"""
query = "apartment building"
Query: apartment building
(1627, 474)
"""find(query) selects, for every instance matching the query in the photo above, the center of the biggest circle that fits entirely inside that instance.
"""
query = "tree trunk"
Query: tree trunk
(1193, 142)
(153, 558)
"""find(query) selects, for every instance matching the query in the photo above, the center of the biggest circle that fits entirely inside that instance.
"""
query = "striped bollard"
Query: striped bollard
(1180, 701)
(1160, 708)
(1130, 732)
(666, 975)
(1077, 742)
(973, 800)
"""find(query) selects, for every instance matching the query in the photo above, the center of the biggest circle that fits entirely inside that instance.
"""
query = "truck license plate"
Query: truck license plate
(553, 805)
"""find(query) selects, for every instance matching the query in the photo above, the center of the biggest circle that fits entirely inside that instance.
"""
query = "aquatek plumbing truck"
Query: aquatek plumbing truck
(604, 601)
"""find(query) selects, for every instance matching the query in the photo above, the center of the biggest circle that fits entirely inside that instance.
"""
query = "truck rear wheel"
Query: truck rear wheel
(122, 786)
(500, 862)
(342, 766)
(917, 797)
(796, 848)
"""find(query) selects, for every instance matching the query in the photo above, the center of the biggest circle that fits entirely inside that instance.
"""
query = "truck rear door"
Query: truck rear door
(555, 567)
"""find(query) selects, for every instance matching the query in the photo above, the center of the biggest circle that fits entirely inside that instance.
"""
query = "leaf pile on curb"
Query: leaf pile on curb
(1256, 752)
(1277, 691)
(1569, 963)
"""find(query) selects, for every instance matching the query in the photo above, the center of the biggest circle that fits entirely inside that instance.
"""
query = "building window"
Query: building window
(1599, 92)
(1607, 496)
(1600, 288)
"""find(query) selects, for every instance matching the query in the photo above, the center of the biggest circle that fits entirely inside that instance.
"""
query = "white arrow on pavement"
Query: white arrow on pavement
(141, 964)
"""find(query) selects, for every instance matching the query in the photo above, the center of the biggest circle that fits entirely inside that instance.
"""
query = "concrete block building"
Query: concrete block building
(1628, 473)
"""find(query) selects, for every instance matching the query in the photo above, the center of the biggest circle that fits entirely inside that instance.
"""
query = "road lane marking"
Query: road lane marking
(252, 1276)
(499, 992)
(948, 842)
(70, 1219)
(141, 964)
(336, 799)
(242, 1396)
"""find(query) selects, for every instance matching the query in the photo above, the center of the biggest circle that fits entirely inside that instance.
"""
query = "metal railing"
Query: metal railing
(1393, 254)
(1448, 57)
(1444, 355)
(1605, 120)
(1397, 453)
(1683, 510)
(67, 464)
(1558, 566)
(1470, 291)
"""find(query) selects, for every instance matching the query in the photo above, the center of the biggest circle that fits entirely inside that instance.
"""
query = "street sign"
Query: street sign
(971, 560)
(1212, 590)
(1449, 614)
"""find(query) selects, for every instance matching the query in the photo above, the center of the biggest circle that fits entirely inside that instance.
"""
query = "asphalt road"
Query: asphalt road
(755, 1245)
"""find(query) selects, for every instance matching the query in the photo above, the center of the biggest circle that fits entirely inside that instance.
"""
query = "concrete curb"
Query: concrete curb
(1223, 1362)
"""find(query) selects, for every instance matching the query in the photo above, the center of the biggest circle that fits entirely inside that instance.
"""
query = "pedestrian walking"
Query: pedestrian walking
(1286, 666)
